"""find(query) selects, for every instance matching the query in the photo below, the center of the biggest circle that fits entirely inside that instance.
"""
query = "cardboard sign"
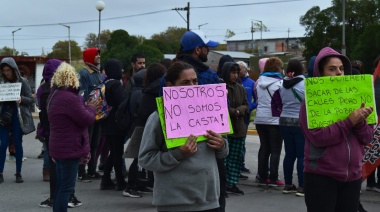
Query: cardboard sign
(10, 92)
(175, 142)
(372, 154)
(195, 109)
(331, 99)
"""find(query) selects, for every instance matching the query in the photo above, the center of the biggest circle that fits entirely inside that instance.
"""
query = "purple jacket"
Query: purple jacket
(69, 118)
(337, 150)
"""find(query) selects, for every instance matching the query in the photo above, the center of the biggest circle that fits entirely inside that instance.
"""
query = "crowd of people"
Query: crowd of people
(196, 176)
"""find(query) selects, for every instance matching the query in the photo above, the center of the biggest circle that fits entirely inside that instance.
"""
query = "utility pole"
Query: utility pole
(344, 28)
(287, 42)
(188, 14)
(252, 31)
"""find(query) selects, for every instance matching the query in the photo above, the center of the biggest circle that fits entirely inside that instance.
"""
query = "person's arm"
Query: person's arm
(83, 115)
(243, 108)
(217, 142)
(254, 98)
(83, 83)
(26, 97)
(152, 156)
(363, 132)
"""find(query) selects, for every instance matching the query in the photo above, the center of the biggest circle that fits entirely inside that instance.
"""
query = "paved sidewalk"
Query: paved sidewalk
(26, 196)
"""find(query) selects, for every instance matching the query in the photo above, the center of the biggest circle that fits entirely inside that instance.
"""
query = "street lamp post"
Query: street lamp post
(68, 27)
(13, 40)
(99, 6)
(199, 26)
(261, 34)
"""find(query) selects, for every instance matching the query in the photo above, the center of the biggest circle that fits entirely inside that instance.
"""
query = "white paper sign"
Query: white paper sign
(10, 92)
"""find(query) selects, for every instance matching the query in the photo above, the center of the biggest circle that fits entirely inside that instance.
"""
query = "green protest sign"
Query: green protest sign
(331, 99)
(175, 142)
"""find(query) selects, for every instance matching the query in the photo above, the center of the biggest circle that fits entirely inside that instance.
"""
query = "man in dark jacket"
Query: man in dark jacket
(89, 78)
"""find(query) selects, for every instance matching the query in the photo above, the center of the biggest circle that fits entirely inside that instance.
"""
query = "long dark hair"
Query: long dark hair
(175, 70)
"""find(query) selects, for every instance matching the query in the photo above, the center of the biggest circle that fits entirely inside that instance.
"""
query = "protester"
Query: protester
(150, 92)
(292, 93)
(238, 109)
(89, 78)
(267, 122)
(181, 180)
(249, 86)
(262, 62)
(115, 95)
(69, 119)
(18, 115)
(333, 154)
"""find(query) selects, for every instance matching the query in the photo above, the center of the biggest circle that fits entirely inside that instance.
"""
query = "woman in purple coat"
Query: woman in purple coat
(69, 118)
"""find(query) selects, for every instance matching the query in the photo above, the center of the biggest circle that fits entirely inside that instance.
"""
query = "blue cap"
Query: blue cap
(196, 38)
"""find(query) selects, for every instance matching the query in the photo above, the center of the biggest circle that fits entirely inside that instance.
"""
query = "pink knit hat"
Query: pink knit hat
(262, 62)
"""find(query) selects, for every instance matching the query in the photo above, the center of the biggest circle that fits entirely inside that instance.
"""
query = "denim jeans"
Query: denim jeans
(17, 138)
(67, 170)
(294, 143)
(270, 148)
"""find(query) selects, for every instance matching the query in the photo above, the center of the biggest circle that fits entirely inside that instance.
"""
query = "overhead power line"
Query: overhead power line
(148, 13)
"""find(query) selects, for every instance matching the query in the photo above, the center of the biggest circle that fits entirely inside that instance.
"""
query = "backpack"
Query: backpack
(100, 93)
(124, 117)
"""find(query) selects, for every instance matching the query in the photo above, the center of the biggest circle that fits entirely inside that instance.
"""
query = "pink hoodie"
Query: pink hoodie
(337, 150)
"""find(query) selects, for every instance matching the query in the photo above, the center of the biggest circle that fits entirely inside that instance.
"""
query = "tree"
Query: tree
(229, 33)
(324, 28)
(91, 40)
(168, 41)
(122, 46)
(61, 50)
(6, 51)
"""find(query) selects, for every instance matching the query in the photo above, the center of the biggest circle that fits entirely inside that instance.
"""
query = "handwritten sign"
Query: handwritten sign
(10, 92)
(330, 99)
(195, 109)
(175, 142)
(372, 154)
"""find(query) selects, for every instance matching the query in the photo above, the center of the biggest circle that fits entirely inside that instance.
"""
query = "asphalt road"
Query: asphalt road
(27, 196)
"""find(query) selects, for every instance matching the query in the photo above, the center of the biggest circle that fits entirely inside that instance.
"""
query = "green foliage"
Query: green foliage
(7, 51)
(61, 50)
(91, 40)
(122, 46)
(168, 41)
(324, 28)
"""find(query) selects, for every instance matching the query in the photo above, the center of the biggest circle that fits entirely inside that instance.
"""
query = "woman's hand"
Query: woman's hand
(190, 147)
(19, 100)
(214, 140)
(359, 115)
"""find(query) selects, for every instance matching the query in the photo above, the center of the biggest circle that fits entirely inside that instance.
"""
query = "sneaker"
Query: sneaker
(41, 155)
(1, 178)
(263, 182)
(245, 170)
(375, 188)
(95, 176)
(128, 192)
(11, 158)
(84, 178)
(243, 177)
(47, 203)
(144, 189)
(19, 178)
(234, 190)
(288, 189)
(24, 159)
(300, 192)
(276, 183)
(74, 202)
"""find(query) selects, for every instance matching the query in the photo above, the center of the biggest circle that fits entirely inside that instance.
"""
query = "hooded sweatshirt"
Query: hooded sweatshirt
(222, 60)
(26, 93)
(266, 86)
(290, 102)
(89, 76)
(336, 150)
(237, 99)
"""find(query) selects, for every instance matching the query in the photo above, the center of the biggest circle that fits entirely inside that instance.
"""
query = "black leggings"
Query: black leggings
(323, 193)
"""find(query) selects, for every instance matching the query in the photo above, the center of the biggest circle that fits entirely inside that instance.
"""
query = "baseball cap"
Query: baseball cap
(196, 38)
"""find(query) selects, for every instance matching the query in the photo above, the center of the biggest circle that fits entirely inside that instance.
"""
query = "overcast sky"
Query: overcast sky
(278, 17)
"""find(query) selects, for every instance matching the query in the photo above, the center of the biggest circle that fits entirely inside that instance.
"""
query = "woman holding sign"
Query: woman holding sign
(333, 154)
(16, 116)
(185, 178)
